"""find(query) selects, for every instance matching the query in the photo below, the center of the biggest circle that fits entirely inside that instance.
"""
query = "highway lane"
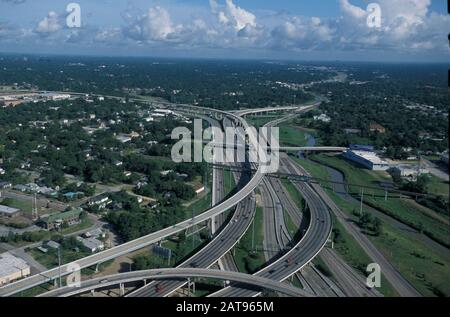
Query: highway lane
(352, 283)
(398, 282)
(222, 242)
(227, 261)
(206, 257)
(300, 255)
(343, 273)
(213, 251)
(270, 245)
(244, 280)
(305, 250)
(314, 280)
(152, 238)
(139, 243)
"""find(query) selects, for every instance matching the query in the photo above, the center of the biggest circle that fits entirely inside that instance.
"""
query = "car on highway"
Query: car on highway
(104, 281)
(159, 288)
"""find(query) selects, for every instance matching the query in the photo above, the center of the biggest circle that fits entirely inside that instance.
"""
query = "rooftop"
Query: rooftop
(10, 264)
(92, 243)
(370, 156)
(62, 216)
(8, 210)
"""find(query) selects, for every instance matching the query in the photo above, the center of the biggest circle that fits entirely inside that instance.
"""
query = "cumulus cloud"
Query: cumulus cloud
(155, 25)
(406, 25)
(50, 24)
(302, 34)
(231, 14)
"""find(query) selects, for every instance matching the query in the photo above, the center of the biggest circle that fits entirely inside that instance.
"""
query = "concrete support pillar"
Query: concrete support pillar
(212, 225)
(93, 293)
(122, 289)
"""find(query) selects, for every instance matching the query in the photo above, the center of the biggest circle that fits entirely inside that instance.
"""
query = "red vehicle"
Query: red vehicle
(159, 288)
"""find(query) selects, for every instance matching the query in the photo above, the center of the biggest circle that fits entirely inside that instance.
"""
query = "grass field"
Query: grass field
(229, 183)
(294, 194)
(201, 204)
(316, 170)
(24, 205)
(290, 225)
(50, 259)
(183, 249)
(300, 203)
(355, 256)
(401, 248)
(427, 271)
(403, 208)
(248, 261)
(291, 136)
(260, 121)
(438, 186)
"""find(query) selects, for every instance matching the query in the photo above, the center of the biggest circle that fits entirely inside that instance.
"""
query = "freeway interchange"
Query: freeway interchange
(294, 256)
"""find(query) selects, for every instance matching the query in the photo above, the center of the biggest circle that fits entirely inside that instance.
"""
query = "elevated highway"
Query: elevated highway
(50, 275)
(244, 280)
(303, 252)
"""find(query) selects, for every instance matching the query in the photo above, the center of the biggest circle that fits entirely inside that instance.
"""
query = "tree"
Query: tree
(377, 227)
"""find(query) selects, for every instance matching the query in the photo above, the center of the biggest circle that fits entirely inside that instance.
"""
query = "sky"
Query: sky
(409, 30)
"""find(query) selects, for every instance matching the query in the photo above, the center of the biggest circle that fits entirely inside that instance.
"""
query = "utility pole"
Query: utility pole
(189, 287)
(59, 266)
(34, 208)
(361, 205)
(253, 235)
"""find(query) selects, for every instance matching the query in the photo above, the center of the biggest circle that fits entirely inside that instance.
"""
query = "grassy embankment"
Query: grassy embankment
(420, 265)
(402, 208)
(247, 259)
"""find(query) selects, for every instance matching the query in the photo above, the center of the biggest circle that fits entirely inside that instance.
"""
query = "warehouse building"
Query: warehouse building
(367, 159)
(12, 268)
(92, 244)
(8, 212)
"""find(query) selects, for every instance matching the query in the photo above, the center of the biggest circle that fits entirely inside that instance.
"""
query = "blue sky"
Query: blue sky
(410, 30)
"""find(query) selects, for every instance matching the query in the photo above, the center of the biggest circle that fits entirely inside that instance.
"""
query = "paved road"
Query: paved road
(300, 255)
(398, 282)
(305, 250)
(341, 190)
(352, 283)
(310, 277)
(244, 280)
(437, 170)
(222, 243)
(152, 238)
(213, 251)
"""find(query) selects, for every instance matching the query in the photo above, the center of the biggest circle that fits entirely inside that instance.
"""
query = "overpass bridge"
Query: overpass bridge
(243, 279)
